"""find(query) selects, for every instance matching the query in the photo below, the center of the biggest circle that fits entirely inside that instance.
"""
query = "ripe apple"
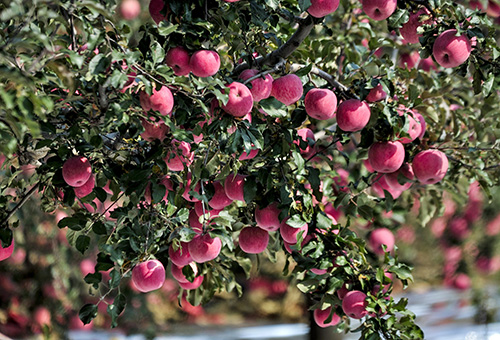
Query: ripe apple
(129, 9)
(287, 89)
(307, 135)
(148, 275)
(320, 8)
(204, 248)
(409, 29)
(320, 104)
(493, 9)
(427, 64)
(392, 178)
(376, 94)
(179, 275)
(76, 171)
(188, 188)
(233, 187)
(289, 234)
(204, 63)
(386, 157)
(423, 125)
(153, 130)
(161, 101)
(268, 218)
(194, 222)
(354, 304)
(253, 240)
(379, 9)
(85, 189)
(180, 257)
(240, 101)
(353, 115)
(462, 282)
(180, 156)
(198, 208)
(261, 87)
(409, 60)
(430, 166)
(380, 184)
(450, 50)
(219, 200)
(248, 155)
(192, 285)
(381, 236)
(6, 252)
(155, 8)
(321, 315)
(414, 127)
(178, 59)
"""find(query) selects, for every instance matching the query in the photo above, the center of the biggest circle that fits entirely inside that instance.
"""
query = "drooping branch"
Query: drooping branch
(322, 74)
(18, 206)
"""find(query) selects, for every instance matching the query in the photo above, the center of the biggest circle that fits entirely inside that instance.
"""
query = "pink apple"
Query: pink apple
(192, 285)
(148, 275)
(234, 186)
(450, 50)
(261, 87)
(155, 8)
(493, 9)
(204, 63)
(320, 104)
(248, 155)
(287, 89)
(393, 181)
(379, 237)
(188, 188)
(85, 189)
(161, 101)
(376, 94)
(178, 59)
(240, 101)
(321, 315)
(409, 29)
(386, 157)
(76, 171)
(194, 222)
(198, 208)
(427, 64)
(430, 166)
(153, 130)
(354, 303)
(289, 234)
(130, 9)
(180, 257)
(268, 218)
(353, 115)
(462, 282)
(204, 248)
(6, 252)
(409, 60)
(179, 275)
(181, 156)
(307, 135)
(42, 317)
(253, 240)
(380, 184)
(414, 127)
(320, 8)
(219, 200)
(379, 9)
(423, 125)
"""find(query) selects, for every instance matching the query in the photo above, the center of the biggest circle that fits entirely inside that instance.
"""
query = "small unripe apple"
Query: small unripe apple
(430, 166)
(320, 104)
(161, 101)
(353, 115)
(85, 189)
(192, 285)
(268, 218)
(179, 275)
(7, 251)
(379, 9)
(376, 94)
(240, 101)
(219, 200)
(409, 29)
(148, 275)
(287, 89)
(289, 234)
(204, 248)
(204, 63)
(379, 237)
(354, 304)
(253, 240)
(233, 187)
(180, 257)
(321, 315)
(450, 50)
(261, 87)
(386, 157)
(178, 59)
(76, 171)
(320, 8)
(130, 9)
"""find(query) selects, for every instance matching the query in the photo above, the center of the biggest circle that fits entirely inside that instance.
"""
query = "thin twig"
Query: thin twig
(11, 213)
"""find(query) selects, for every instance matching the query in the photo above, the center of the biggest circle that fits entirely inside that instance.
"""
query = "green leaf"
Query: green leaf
(273, 107)
(88, 313)
(116, 308)
(72, 223)
(157, 52)
(304, 4)
(82, 243)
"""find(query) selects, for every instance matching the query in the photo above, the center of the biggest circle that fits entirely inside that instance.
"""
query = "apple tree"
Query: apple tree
(201, 135)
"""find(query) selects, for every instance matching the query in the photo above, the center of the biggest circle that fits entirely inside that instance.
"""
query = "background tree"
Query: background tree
(168, 136)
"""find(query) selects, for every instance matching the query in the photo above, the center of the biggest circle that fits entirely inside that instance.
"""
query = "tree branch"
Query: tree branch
(11, 213)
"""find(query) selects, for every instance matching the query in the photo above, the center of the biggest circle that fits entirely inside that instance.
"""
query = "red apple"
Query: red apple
(386, 157)
(129, 9)
(427, 64)
(7, 251)
(253, 240)
(85, 189)
(430, 166)
(148, 275)
(180, 156)
(76, 171)
(178, 59)
(414, 127)
(219, 200)
(155, 8)
(261, 87)
(268, 218)
(451, 50)
(204, 248)
(233, 187)
(379, 9)
(320, 104)
(240, 101)
(409, 29)
(179, 275)
(153, 130)
(192, 285)
(289, 234)
(287, 89)
(321, 315)
(376, 94)
(379, 237)
(392, 178)
(353, 115)
(181, 256)
(307, 135)
(204, 63)
(161, 101)
(354, 304)
(320, 8)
